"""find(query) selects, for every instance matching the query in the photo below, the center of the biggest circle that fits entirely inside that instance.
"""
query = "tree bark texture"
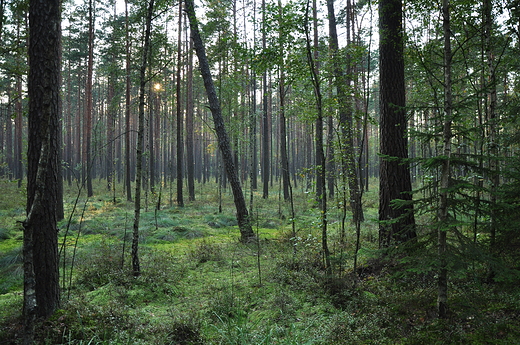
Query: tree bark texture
(397, 223)
(41, 290)
(244, 223)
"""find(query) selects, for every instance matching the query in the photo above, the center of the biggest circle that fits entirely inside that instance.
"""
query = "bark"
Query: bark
(244, 223)
(397, 223)
(127, 108)
(284, 160)
(87, 139)
(320, 154)
(180, 122)
(442, 280)
(190, 159)
(41, 281)
(140, 142)
(265, 120)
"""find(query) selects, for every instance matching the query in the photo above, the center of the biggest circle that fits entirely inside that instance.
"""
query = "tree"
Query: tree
(244, 222)
(128, 187)
(443, 216)
(87, 124)
(397, 223)
(342, 83)
(180, 122)
(140, 140)
(41, 278)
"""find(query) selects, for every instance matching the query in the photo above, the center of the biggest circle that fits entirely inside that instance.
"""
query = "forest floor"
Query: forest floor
(200, 285)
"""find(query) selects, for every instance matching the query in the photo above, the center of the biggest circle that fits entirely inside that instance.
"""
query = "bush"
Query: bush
(205, 251)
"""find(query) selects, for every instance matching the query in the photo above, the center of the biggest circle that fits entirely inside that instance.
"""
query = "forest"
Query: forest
(259, 172)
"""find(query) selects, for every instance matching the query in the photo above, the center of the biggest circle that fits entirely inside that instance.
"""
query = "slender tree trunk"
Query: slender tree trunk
(342, 83)
(244, 223)
(128, 186)
(140, 141)
(87, 139)
(492, 118)
(320, 154)
(443, 216)
(284, 160)
(18, 136)
(180, 122)
(190, 159)
(265, 120)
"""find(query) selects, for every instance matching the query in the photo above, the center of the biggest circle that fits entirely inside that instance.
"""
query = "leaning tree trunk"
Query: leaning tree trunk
(244, 223)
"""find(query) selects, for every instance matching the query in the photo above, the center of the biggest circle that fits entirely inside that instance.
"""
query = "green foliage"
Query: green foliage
(207, 290)
(205, 251)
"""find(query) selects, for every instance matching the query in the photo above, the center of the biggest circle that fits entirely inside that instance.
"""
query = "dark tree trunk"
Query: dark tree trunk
(397, 223)
(88, 164)
(41, 282)
(128, 187)
(244, 223)
(180, 122)
(265, 121)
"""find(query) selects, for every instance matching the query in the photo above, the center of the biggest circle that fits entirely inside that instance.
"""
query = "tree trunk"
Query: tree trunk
(88, 163)
(140, 142)
(244, 223)
(397, 223)
(180, 122)
(128, 187)
(190, 159)
(321, 193)
(342, 84)
(443, 226)
(284, 160)
(41, 281)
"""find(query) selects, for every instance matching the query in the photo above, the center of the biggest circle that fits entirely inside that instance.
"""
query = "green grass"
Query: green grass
(200, 285)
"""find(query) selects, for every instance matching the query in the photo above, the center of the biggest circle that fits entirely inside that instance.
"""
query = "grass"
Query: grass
(200, 285)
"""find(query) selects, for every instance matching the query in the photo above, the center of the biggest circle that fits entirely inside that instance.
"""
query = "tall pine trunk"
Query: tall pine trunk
(180, 122)
(128, 185)
(190, 159)
(40, 245)
(140, 141)
(88, 163)
(443, 216)
(397, 224)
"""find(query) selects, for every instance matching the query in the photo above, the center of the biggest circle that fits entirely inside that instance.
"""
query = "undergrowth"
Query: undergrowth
(200, 285)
